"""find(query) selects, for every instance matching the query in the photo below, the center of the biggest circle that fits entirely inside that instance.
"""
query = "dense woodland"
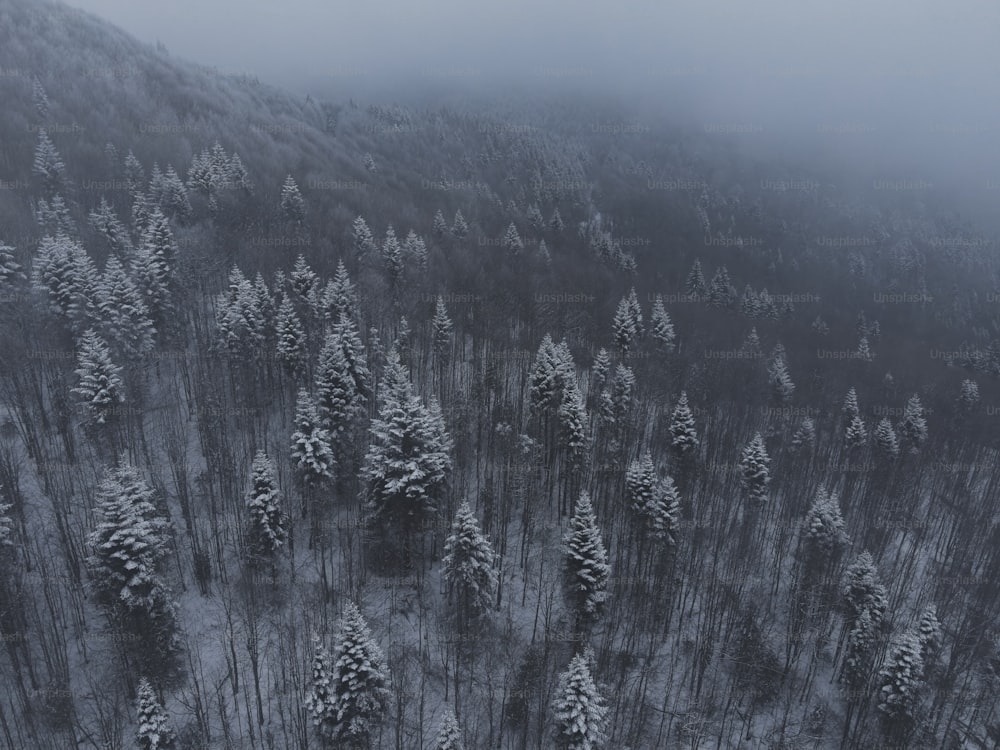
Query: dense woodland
(354, 425)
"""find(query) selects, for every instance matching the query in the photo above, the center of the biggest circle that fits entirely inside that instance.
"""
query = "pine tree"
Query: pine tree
(749, 305)
(856, 434)
(585, 569)
(65, 272)
(459, 227)
(572, 415)
(824, 525)
(340, 297)
(543, 253)
(266, 533)
(311, 452)
(135, 175)
(364, 240)
(624, 327)
(9, 268)
(321, 700)
(304, 280)
(293, 205)
(755, 471)
(599, 370)
(929, 635)
(337, 396)
(346, 332)
(402, 341)
(545, 388)
(415, 249)
(512, 240)
(860, 653)
(40, 99)
(468, 564)
(154, 264)
(885, 438)
(535, 219)
(635, 311)
(721, 292)
(781, 383)
(440, 225)
(556, 221)
(695, 286)
(969, 396)
(579, 710)
(663, 327)
(105, 222)
(900, 681)
(153, 732)
(443, 329)
(291, 339)
(864, 352)
(356, 698)
(174, 198)
(913, 426)
(129, 541)
(408, 459)
(683, 436)
(126, 317)
(862, 590)
(239, 317)
(805, 435)
(100, 385)
(851, 408)
(392, 255)
(450, 735)
(48, 164)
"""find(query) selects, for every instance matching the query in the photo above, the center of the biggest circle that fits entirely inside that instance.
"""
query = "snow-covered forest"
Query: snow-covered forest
(342, 424)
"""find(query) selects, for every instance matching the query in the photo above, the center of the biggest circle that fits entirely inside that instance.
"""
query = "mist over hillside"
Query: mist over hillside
(365, 384)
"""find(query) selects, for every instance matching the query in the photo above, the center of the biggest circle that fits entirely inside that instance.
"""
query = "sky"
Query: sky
(909, 84)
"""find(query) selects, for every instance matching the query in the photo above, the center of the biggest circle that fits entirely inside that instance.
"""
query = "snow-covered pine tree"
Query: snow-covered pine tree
(415, 249)
(442, 330)
(572, 414)
(599, 370)
(402, 341)
(721, 292)
(556, 222)
(859, 654)
(239, 317)
(862, 590)
(864, 352)
(928, 632)
(468, 565)
(579, 710)
(266, 531)
(900, 681)
(780, 381)
(755, 469)
(824, 524)
(40, 99)
(345, 330)
(359, 680)
(459, 227)
(153, 732)
(851, 408)
(106, 223)
(624, 327)
(174, 197)
(364, 240)
(856, 434)
(913, 425)
(640, 484)
(635, 310)
(135, 175)
(66, 273)
(408, 460)
(100, 386)
(683, 436)
(321, 699)
(663, 327)
(585, 568)
(126, 318)
(885, 438)
(392, 256)
(695, 286)
(440, 226)
(154, 263)
(291, 339)
(9, 268)
(511, 241)
(805, 436)
(337, 397)
(310, 450)
(969, 396)
(293, 205)
(545, 387)
(449, 737)
(47, 163)
(535, 219)
(749, 305)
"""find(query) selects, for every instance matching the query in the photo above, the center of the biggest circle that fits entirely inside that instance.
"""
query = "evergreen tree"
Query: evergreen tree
(443, 329)
(154, 264)
(781, 383)
(586, 569)
(851, 408)
(266, 533)
(392, 255)
(683, 436)
(100, 385)
(913, 426)
(340, 297)
(459, 227)
(66, 274)
(311, 451)
(864, 352)
(239, 317)
(663, 327)
(635, 311)
(321, 699)
(755, 469)
(885, 438)
(721, 292)
(862, 590)
(579, 710)
(402, 341)
(291, 339)
(346, 332)
(408, 459)
(9, 268)
(545, 386)
(535, 219)
(556, 222)
(124, 312)
(929, 635)
(450, 735)
(749, 305)
(512, 240)
(105, 222)
(900, 681)
(40, 99)
(135, 175)
(856, 433)
(543, 253)
(468, 564)
(695, 286)
(415, 249)
(860, 652)
(572, 416)
(364, 240)
(440, 225)
(174, 197)
(624, 327)
(48, 164)
(293, 205)
(337, 396)
(824, 525)
(599, 370)
(304, 281)
(153, 732)
(970, 395)
(350, 707)
(805, 435)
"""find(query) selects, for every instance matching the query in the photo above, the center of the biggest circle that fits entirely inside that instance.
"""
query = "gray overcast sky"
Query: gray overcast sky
(917, 78)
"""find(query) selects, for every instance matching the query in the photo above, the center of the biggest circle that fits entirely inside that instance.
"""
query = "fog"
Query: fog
(899, 90)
